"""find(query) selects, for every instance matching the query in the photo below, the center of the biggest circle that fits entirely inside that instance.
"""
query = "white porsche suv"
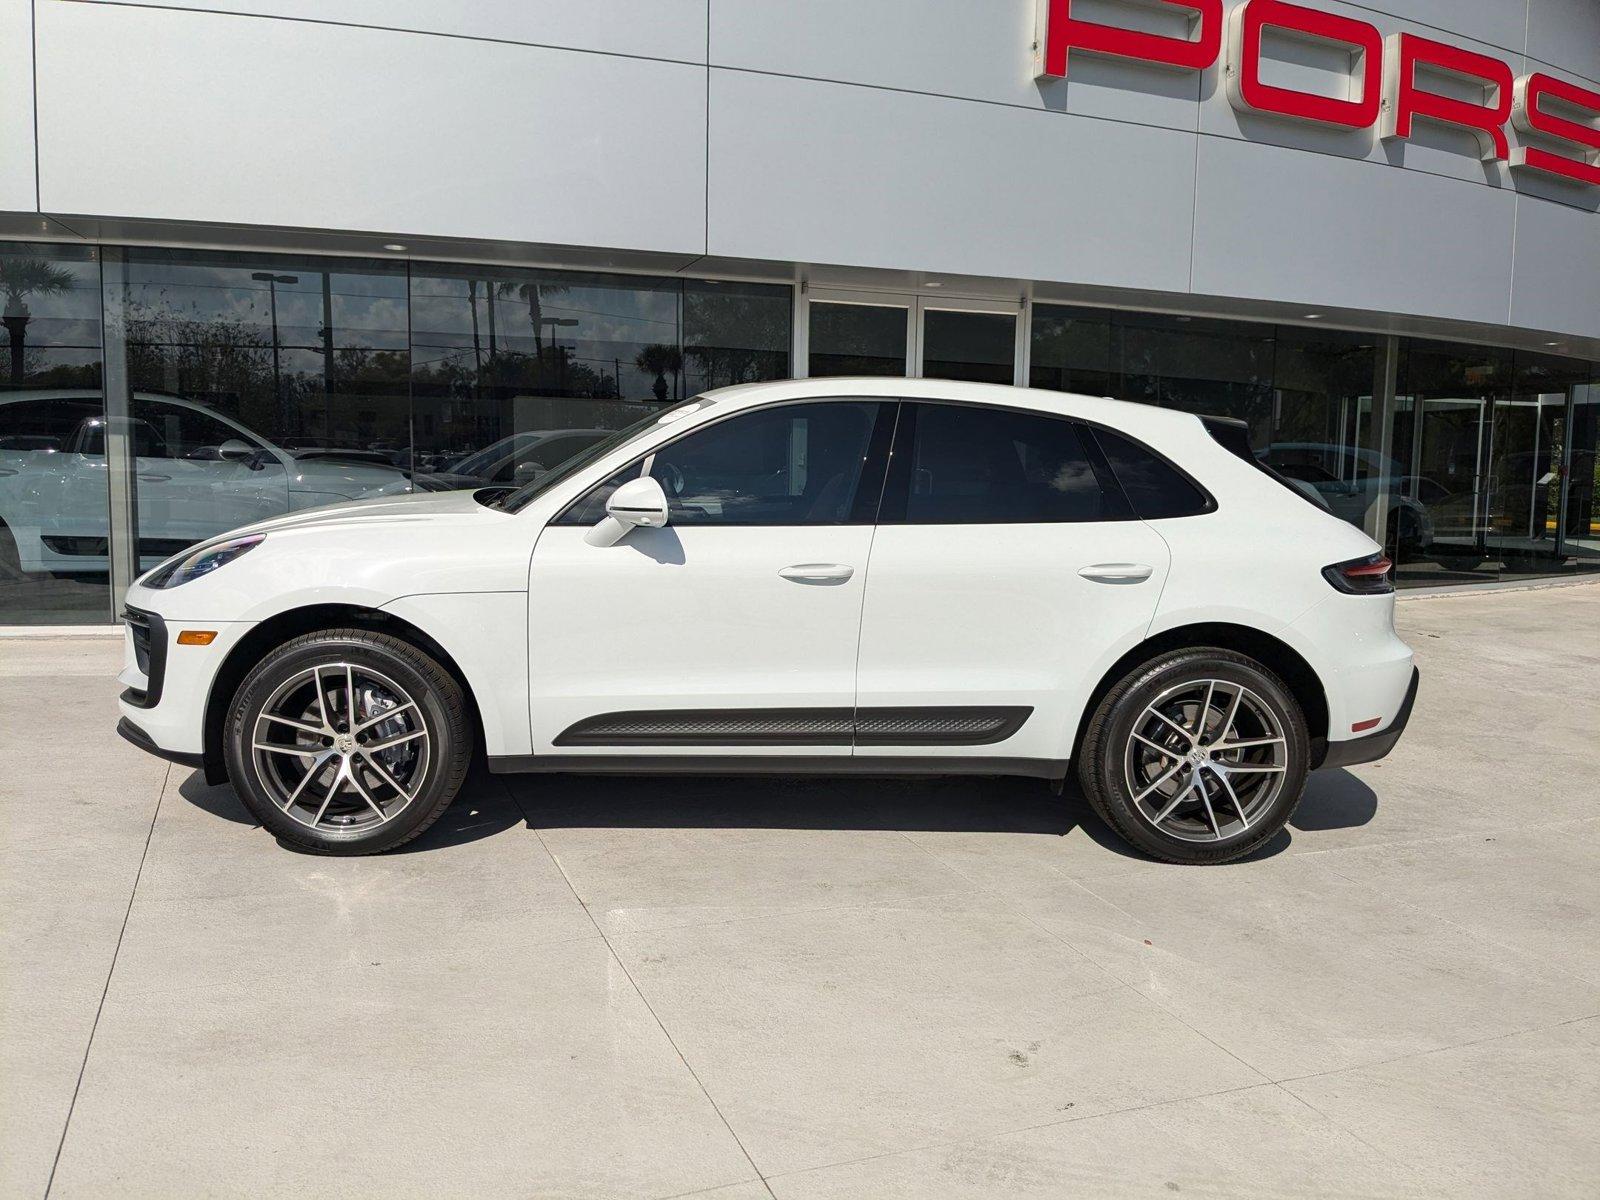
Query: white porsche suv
(835, 576)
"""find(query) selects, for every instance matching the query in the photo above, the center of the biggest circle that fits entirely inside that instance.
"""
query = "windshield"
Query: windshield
(570, 466)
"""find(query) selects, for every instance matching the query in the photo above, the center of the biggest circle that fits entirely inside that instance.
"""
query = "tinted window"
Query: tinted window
(591, 506)
(977, 466)
(1153, 485)
(797, 464)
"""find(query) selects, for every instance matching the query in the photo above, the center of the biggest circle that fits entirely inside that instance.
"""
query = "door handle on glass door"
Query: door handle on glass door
(1118, 572)
(817, 573)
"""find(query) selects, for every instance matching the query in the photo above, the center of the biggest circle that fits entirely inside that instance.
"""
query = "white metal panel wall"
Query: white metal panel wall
(1565, 34)
(1557, 281)
(197, 116)
(673, 29)
(820, 172)
(16, 106)
(1322, 230)
(907, 134)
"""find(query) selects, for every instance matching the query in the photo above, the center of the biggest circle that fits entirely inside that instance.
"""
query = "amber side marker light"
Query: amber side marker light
(197, 637)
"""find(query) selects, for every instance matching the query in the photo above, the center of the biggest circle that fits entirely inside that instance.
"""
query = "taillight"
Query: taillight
(1370, 576)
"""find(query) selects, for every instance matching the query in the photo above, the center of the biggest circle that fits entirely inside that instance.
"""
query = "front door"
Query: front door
(1007, 576)
(734, 628)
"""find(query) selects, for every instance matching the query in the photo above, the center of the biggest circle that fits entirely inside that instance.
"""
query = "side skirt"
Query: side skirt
(744, 764)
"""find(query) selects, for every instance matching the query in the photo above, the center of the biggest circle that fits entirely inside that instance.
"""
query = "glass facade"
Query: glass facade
(54, 508)
(150, 398)
(261, 384)
(1484, 470)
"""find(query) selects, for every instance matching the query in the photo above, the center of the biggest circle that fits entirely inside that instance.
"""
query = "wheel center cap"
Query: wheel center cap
(1199, 757)
(344, 743)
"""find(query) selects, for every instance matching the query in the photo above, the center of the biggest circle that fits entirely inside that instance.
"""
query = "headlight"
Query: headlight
(202, 561)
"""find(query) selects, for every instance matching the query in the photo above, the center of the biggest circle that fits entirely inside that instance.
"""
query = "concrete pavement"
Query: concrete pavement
(805, 989)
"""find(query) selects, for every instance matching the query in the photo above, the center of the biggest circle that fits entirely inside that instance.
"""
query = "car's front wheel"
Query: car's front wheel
(1198, 756)
(347, 741)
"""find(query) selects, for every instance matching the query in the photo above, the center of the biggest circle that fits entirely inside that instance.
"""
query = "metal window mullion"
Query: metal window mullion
(1381, 435)
(1570, 417)
(121, 465)
(1021, 368)
(800, 333)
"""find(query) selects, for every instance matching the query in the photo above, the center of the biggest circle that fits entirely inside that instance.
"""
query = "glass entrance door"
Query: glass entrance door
(974, 341)
(852, 334)
(884, 333)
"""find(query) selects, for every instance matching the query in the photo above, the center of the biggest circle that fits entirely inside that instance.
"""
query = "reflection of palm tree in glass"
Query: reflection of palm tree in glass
(657, 360)
(22, 277)
(533, 295)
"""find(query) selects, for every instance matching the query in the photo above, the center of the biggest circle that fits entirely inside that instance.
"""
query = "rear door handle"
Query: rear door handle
(1118, 572)
(155, 478)
(817, 573)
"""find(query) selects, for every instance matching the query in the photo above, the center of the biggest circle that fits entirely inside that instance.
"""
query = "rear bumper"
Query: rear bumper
(1376, 746)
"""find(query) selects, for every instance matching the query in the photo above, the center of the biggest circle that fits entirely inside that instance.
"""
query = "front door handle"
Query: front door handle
(1118, 572)
(155, 478)
(817, 573)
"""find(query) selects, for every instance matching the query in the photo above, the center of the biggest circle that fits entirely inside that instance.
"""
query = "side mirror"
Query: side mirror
(637, 504)
(236, 450)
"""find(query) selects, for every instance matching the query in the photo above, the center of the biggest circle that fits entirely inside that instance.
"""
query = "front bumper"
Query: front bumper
(1377, 745)
(131, 732)
(166, 685)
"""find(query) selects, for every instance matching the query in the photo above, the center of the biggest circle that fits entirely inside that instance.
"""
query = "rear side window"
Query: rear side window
(967, 465)
(1156, 489)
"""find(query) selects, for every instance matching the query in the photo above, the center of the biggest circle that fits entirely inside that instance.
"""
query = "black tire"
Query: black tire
(427, 785)
(1108, 741)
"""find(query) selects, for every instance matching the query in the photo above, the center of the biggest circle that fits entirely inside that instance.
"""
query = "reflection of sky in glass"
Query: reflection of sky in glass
(612, 323)
(68, 318)
(368, 309)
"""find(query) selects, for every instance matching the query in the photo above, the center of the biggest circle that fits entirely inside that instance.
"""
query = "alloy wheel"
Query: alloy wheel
(1206, 760)
(340, 747)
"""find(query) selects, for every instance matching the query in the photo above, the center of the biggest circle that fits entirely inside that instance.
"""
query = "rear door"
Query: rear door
(1007, 574)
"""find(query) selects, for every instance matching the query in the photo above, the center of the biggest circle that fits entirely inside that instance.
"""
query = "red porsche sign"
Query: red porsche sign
(1558, 123)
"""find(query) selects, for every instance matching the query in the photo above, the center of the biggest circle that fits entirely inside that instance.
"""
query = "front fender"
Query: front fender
(486, 633)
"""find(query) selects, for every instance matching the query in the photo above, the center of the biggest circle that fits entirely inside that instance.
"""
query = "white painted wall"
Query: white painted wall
(17, 180)
(893, 133)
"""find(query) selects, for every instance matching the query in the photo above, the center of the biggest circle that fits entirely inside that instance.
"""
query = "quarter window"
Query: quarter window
(1154, 487)
(993, 466)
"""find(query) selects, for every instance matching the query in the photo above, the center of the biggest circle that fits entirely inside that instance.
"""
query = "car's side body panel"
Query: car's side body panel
(483, 633)
(691, 618)
(955, 613)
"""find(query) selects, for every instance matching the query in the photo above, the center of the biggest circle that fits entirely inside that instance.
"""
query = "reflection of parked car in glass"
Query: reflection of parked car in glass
(522, 457)
(197, 472)
(377, 458)
(1350, 481)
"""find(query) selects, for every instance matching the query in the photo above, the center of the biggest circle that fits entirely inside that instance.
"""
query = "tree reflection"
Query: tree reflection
(21, 278)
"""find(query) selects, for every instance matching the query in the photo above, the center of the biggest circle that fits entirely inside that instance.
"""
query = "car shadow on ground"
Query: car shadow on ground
(1333, 800)
(490, 804)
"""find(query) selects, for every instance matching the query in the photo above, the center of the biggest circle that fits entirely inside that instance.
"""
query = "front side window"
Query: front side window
(994, 466)
(794, 464)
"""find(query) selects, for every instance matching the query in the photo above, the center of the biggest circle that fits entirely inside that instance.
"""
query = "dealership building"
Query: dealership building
(263, 254)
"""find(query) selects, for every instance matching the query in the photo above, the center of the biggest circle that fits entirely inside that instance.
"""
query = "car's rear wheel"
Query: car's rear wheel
(347, 741)
(1198, 756)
